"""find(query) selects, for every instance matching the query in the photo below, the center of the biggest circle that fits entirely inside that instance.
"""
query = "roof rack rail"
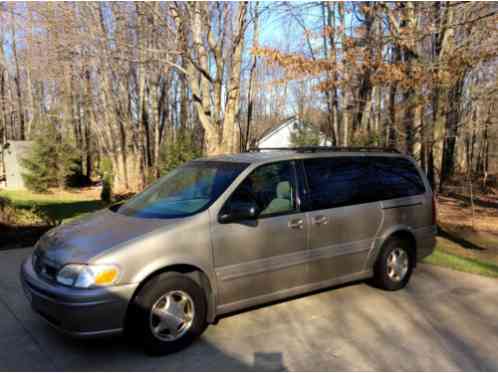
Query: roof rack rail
(314, 149)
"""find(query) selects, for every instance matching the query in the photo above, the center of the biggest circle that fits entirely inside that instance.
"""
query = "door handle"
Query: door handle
(320, 219)
(296, 224)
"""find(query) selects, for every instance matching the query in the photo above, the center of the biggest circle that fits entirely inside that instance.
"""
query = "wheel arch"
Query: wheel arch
(194, 272)
(401, 232)
(407, 236)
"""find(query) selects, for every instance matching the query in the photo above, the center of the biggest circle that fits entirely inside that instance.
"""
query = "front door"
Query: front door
(343, 215)
(262, 256)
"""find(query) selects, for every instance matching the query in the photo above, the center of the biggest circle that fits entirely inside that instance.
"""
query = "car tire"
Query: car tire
(158, 307)
(394, 265)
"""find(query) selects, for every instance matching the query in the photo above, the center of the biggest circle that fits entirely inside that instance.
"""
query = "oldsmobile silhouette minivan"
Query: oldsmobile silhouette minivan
(229, 232)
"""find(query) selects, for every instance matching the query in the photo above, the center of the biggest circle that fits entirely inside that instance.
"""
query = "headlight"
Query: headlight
(85, 276)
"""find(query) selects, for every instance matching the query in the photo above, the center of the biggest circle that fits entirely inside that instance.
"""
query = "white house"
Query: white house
(13, 153)
(280, 136)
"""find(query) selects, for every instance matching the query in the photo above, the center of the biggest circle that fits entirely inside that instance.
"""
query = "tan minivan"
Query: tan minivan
(222, 234)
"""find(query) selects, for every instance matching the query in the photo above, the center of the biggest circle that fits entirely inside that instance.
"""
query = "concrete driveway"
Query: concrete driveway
(444, 320)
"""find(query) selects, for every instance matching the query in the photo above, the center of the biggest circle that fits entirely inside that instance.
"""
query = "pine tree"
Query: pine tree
(176, 153)
(51, 161)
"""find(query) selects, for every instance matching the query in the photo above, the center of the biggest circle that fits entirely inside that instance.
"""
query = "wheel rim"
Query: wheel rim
(172, 315)
(397, 264)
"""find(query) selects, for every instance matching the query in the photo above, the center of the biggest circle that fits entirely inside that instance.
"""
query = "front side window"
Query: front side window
(184, 191)
(271, 187)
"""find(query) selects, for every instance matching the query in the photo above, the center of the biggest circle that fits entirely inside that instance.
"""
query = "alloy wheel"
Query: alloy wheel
(172, 315)
(397, 264)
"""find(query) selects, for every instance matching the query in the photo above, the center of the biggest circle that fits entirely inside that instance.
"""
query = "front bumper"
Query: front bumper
(77, 312)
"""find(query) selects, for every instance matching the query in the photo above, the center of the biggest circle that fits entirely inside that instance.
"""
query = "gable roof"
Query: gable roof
(274, 129)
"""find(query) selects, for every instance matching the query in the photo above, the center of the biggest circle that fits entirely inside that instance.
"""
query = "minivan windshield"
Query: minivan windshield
(184, 191)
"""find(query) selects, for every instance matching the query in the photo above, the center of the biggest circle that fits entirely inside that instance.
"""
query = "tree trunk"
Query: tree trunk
(245, 143)
(451, 131)
(393, 88)
(17, 80)
(408, 54)
(328, 16)
(346, 91)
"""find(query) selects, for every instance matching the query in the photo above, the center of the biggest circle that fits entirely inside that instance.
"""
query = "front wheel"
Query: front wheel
(394, 266)
(169, 313)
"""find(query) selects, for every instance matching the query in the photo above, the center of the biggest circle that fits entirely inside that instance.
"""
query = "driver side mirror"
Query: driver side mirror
(237, 211)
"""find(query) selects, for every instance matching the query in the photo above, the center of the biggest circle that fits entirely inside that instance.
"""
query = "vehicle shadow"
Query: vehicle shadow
(120, 354)
(218, 349)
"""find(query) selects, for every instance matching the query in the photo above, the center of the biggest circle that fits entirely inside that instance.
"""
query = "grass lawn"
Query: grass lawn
(447, 259)
(467, 242)
(59, 205)
(36, 213)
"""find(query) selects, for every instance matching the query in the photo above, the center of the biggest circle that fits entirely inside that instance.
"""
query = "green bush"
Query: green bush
(106, 193)
(174, 154)
(105, 167)
(7, 211)
(77, 178)
(364, 138)
(305, 135)
(10, 214)
(106, 173)
(51, 162)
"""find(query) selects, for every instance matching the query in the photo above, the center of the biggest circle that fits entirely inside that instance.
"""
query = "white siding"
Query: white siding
(281, 137)
(13, 169)
(278, 139)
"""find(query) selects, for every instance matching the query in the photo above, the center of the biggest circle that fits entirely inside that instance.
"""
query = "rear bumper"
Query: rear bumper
(426, 241)
(77, 312)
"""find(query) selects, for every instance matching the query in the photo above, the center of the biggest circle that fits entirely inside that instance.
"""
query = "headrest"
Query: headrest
(284, 190)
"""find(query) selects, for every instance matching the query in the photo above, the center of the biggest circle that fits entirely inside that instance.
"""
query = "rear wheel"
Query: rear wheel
(169, 313)
(394, 266)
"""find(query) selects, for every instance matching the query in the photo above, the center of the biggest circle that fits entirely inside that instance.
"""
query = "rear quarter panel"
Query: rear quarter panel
(408, 214)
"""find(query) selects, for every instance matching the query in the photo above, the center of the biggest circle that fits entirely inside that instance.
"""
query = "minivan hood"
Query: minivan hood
(83, 239)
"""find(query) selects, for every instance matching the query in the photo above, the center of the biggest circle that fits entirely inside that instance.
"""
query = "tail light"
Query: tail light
(434, 213)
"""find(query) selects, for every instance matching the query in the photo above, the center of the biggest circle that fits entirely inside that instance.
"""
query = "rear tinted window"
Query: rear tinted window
(335, 182)
(398, 177)
(343, 181)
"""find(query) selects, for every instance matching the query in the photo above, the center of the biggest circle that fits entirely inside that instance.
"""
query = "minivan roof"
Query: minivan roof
(276, 154)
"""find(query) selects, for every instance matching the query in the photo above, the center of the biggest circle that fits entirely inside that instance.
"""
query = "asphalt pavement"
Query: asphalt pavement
(443, 320)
